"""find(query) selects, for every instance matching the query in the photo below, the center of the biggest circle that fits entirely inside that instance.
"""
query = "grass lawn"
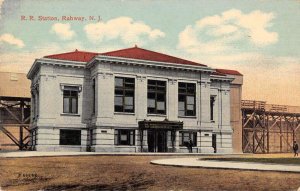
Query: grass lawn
(295, 160)
(131, 173)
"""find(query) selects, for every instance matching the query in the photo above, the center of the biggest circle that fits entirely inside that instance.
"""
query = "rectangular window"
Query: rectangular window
(184, 137)
(124, 94)
(70, 137)
(94, 96)
(70, 100)
(186, 99)
(212, 103)
(124, 137)
(156, 97)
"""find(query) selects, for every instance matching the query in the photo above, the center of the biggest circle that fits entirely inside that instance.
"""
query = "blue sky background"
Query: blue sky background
(258, 38)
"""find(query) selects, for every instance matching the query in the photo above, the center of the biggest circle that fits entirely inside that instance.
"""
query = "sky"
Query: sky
(260, 39)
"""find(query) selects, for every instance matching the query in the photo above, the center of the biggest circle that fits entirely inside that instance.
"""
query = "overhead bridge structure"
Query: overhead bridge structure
(15, 104)
(269, 128)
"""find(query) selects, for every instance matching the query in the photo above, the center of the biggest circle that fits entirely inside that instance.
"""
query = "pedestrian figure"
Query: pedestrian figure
(295, 148)
(190, 144)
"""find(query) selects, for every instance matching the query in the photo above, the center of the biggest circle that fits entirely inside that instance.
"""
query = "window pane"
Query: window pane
(161, 112)
(118, 100)
(191, 88)
(128, 108)
(151, 95)
(161, 83)
(212, 102)
(195, 139)
(129, 86)
(160, 97)
(66, 105)
(151, 82)
(129, 101)
(118, 108)
(119, 82)
(186, 137)
(116, 137)
(181, 98)
(190, 112)
(132, 137)
(161, 89)
(182, 85)
(129, 93)
(119, 92)
(182, 91)
(151, 88)
(94, 96)
(181, 106)
(190, 99)
(124, 137)
(160, 105)
(151, 103)
(74, 105)
(66, 93)
(180, 138)
(74, 93)
(129, 80)
(181, 113)
(151, 110)
(70, 137)
(190, 107)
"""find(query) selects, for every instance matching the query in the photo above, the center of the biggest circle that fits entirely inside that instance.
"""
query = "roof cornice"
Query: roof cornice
(148, 63)
(57, 62)
(129, 61)
(221, 78)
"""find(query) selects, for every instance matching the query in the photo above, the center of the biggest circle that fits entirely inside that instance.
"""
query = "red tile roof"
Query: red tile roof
(79, 56)
(229, 72)
(143, 54)
(133, 53)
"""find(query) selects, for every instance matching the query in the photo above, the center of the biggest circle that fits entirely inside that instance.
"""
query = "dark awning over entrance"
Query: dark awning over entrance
(166, 124)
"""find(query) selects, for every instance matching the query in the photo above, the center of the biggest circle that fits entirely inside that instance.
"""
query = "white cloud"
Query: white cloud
(257, 23)
(12, 40)
(124, 28)
(63, 31)
(224, 30)
(219, 32)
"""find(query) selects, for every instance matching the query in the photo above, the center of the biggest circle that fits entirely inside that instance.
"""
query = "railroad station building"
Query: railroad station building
(133, 100)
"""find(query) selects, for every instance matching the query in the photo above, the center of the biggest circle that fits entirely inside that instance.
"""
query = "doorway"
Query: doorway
(157, 140)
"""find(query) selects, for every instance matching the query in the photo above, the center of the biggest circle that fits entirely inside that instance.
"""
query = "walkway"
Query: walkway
(24, 154)
(198, 163)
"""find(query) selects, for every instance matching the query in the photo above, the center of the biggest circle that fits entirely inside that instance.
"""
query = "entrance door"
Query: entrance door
(214, 142)
(157, 140)
(151, 141)
(161, 141)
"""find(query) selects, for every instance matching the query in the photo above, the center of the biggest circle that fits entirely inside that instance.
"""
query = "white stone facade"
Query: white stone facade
(98, 128)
